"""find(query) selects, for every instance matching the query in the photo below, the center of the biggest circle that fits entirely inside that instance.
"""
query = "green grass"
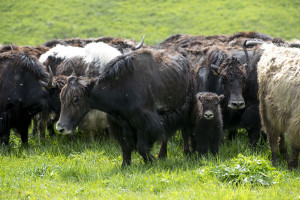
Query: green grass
(32, 22)
(62, 168)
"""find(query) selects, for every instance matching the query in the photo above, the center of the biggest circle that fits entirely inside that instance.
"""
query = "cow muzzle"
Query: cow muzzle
(61, 128)
(208, 115)
(236, 105)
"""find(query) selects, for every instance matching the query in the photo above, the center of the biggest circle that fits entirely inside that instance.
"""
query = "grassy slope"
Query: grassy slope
(34, 22)
(62, 169)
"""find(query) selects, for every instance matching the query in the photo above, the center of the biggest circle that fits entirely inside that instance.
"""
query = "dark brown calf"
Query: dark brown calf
(207, 123)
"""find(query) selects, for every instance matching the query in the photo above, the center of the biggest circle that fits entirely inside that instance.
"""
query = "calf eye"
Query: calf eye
(75, 100)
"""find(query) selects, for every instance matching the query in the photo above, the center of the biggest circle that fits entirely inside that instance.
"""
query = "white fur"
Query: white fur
(94, 123)
(279, 93)
(64, 52)
(99, 54)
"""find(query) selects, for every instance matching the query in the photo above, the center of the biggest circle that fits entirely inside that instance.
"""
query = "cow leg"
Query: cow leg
(44, 118)
(232, 134)
(23, 130)
(214, 144)
(253, 135)
(293, 161)
(4, 137)
(35, 125)
(274, 144)
(163, 149)
(50, 125)
(282, 147)
(144, 148)
(126, 155)
(120, 131)
(186, 147)
(202, 146)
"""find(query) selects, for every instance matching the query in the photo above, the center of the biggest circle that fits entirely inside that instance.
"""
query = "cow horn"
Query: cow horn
(50, 85)
(140, 44)
(252, 43)
(295, 45)
(215, 69)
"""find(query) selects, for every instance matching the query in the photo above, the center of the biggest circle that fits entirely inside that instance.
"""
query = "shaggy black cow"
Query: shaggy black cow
(207, 123)
(22, 95)
(133, 89)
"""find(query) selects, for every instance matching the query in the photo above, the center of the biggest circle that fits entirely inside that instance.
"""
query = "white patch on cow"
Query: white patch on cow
(99, 54)
(94, 122)
(63, 52)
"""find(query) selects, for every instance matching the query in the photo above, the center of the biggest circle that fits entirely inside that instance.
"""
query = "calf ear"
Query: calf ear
(221, 97)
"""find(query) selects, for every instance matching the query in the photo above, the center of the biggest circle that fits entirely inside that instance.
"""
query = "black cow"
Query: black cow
(133, 89)
(22, 95)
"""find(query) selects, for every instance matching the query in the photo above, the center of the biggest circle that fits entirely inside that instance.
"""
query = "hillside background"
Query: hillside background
(32, 22)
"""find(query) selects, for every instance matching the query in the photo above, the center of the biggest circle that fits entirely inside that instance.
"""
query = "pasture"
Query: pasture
(80, 168)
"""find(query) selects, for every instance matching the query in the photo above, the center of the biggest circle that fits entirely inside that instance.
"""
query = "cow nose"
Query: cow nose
(237, 104)
(208, 115)
(59, 127)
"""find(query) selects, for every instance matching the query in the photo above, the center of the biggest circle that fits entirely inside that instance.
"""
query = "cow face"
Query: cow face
(74, 104)
(232, 77)
(209, 105)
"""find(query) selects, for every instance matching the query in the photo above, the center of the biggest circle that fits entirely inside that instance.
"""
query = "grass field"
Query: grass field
(33, 22)
(62, 168)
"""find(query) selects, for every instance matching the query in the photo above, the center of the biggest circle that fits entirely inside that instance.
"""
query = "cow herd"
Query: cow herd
(142, 94)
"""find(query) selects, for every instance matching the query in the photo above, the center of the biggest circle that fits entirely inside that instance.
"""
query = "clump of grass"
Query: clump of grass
(247, 170)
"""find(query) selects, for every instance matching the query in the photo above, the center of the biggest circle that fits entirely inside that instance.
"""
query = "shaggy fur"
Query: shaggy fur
(22, 96)
(207, 123)
(278, 80)
(132, 89)
(36, 51)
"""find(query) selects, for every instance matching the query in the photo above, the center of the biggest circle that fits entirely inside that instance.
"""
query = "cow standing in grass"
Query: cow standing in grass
(207, 123)
(132, 89)
(278, 79)
(22, 95)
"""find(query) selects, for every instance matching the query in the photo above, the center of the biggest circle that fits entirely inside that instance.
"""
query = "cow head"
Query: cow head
(232, 76)
(74, 103)
(208, 105)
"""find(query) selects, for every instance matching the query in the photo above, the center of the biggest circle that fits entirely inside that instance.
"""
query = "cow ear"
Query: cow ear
(221, 97)
(90, 85)
(214, 69)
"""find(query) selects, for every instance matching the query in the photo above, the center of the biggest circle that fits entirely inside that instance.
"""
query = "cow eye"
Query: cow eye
(75, 100)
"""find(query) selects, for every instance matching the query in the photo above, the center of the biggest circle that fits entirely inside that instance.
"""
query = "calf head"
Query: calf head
(232, 76)
(208, 105)
(74, 103)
